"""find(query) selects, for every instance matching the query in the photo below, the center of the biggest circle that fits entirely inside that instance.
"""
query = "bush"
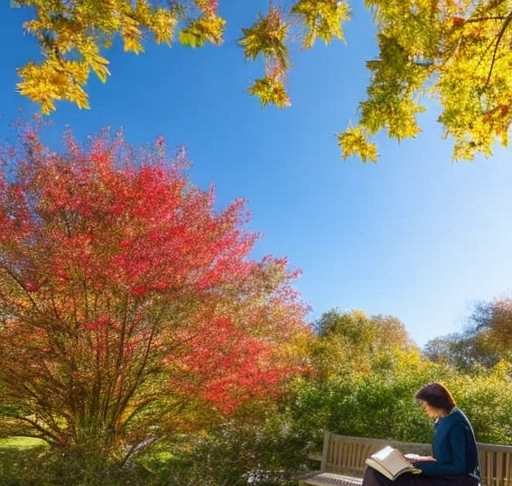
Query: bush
(236, 453)
(38, 466)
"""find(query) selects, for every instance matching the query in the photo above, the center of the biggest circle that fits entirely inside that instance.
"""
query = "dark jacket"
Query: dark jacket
(453, 446)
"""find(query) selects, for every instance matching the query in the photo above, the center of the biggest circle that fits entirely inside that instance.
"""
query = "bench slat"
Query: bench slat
(323, 479)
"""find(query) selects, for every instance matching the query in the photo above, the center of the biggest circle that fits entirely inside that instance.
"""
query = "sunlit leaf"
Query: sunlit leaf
(354, 142)
(270, 91)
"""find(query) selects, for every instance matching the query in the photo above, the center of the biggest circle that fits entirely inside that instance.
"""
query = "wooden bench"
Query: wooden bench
(343, 460)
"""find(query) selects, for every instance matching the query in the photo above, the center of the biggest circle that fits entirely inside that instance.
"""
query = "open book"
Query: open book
(391, 462)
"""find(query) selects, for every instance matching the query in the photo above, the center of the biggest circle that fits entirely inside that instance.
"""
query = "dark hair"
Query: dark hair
(437, 396)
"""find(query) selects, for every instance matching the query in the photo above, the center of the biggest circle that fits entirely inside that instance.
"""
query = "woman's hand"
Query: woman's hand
(414, 458)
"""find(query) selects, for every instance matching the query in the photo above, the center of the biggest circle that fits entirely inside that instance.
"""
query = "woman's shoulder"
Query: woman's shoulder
(456, 418)
(459, 414)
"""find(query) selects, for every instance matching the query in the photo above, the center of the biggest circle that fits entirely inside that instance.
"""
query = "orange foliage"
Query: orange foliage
(122, 290)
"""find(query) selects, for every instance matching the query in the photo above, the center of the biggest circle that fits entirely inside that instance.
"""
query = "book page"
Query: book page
(393, 459)
(375, 465)
(390, 462)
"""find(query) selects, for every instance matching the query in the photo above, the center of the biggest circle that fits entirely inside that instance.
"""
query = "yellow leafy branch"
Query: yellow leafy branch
(270, 90)
(322, 18)
(354, 141)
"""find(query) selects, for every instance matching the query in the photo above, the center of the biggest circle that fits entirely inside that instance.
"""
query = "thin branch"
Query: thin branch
(484, 19)
(500, 35)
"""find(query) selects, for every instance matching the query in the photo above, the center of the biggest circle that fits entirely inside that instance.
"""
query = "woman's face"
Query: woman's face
(431, 411)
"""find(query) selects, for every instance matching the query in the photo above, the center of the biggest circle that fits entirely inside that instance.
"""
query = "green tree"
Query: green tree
(485, 398)
(494, 320)
(358, 341)
(486, 341)
(364, 372)
(456, 51)
(463, 351)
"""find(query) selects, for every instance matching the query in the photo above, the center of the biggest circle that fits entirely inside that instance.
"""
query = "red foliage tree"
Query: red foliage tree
(126, 300)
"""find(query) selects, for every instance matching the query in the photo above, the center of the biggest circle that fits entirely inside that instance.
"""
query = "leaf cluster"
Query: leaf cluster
(455, 52)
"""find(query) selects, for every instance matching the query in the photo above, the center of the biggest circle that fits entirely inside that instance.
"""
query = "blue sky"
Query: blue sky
(415, 236)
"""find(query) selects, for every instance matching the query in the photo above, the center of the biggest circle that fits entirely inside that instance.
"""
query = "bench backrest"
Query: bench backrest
(347, 454)
(495, 464)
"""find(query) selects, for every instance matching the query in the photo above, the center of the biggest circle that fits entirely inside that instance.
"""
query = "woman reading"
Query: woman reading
(454, 460)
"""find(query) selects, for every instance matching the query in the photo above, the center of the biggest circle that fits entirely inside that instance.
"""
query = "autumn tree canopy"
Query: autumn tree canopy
(454, 51)
(486, 340)
(129, 307)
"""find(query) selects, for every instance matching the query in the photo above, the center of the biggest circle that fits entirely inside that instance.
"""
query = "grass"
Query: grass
(18, 458)
(26, 461)
(21, 443)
